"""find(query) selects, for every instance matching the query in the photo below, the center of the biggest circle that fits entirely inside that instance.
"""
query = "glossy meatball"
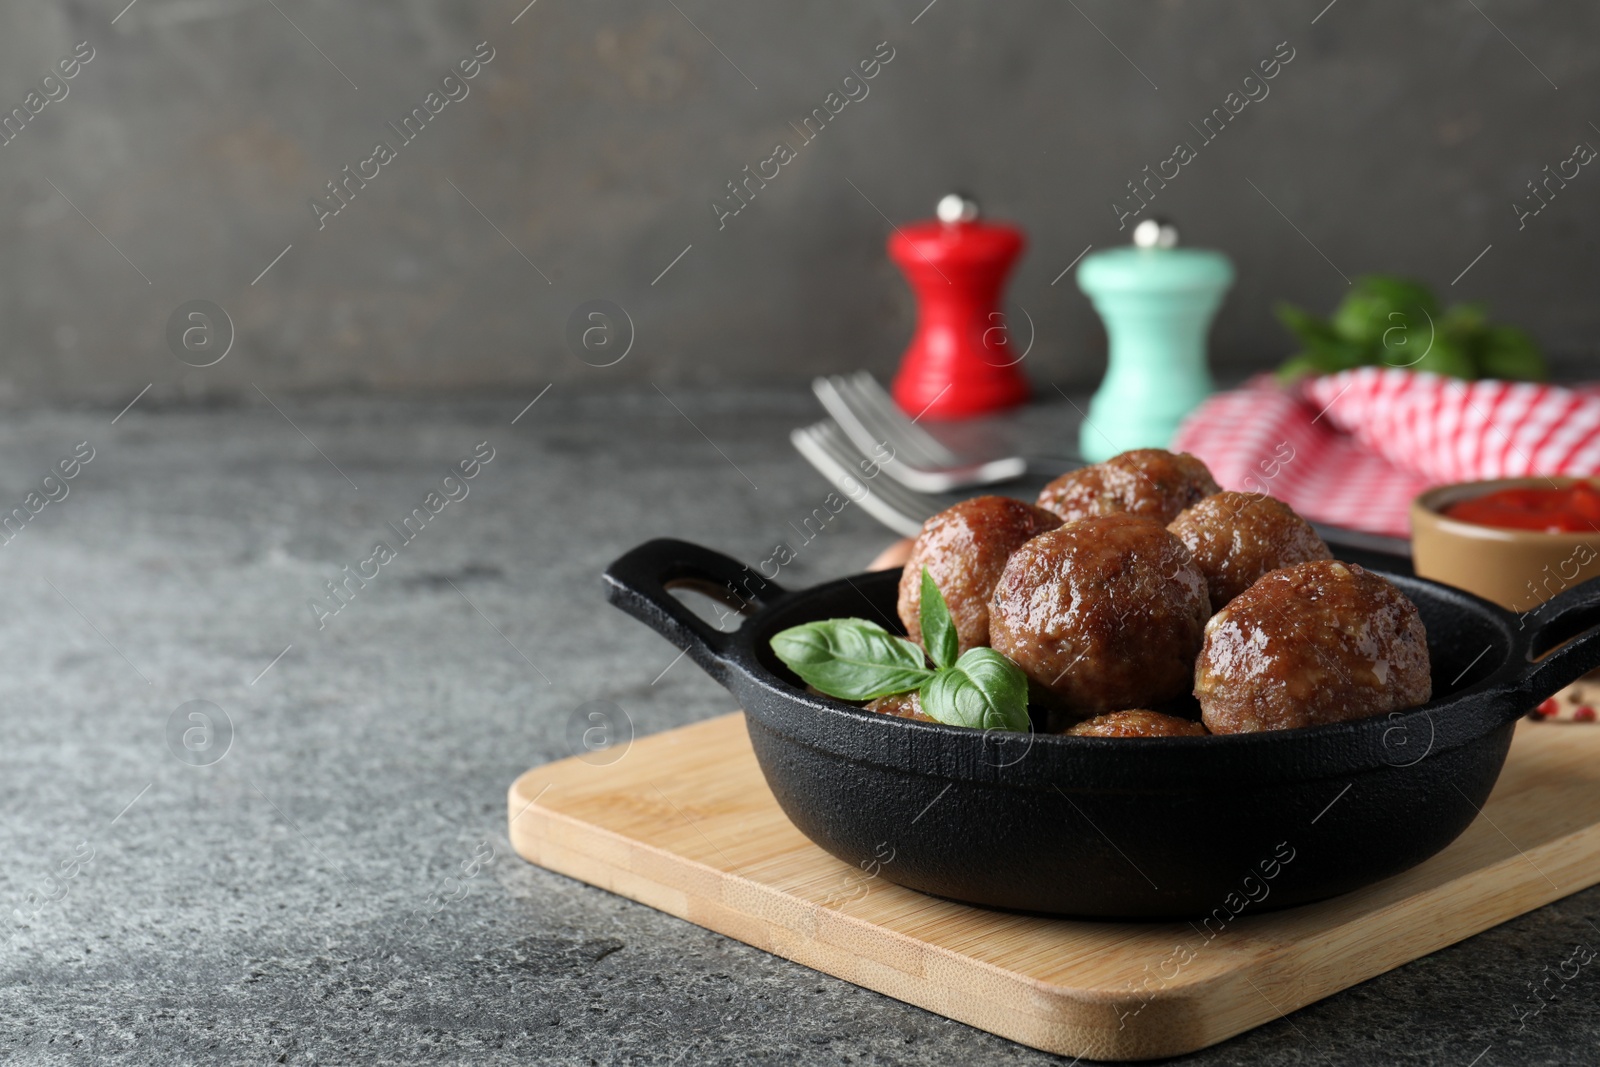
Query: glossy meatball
(1147, 481)
(1103, 614)
(965, 548)
(1315, 643)
(1137, 723)
(1235, 538)
(901, 706)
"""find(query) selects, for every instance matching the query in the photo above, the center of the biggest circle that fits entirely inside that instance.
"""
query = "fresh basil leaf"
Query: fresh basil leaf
(1507, 352)
(1298, 367)
(1377, 303)
(1464, 321)
(1399, 293)
(1337, 355)
(1304, 325)
(984, 690)
(938, 629)
(851, 659)
(1447, 357)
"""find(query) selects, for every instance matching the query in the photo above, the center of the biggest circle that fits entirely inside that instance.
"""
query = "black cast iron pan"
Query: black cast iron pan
(1120, 828)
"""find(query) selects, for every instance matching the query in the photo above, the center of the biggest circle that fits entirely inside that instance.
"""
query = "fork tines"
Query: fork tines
(916, 458)
(827, 449)
(869, 417)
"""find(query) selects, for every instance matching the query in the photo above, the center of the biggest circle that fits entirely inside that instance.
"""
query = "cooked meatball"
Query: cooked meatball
(1235, 538)
(901, 706)
(1315, 643)
(1137, 723)
(1103, 614)
(965, 548)
(1147, 481)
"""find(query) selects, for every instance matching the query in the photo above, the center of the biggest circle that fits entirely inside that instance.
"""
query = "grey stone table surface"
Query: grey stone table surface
(316, 871)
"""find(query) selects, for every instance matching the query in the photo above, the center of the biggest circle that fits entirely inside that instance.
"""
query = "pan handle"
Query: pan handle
(639, 584)
(1572, 617)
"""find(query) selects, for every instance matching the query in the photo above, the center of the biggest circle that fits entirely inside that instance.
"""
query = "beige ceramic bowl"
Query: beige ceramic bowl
(1517, 569)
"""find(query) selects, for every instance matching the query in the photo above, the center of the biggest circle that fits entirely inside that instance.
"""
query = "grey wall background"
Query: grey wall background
(1397, 139)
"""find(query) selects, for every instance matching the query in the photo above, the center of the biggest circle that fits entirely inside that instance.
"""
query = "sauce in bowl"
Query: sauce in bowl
(1572, 508)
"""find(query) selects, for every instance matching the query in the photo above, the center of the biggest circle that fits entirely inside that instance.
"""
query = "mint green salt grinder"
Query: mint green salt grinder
(1157, 301)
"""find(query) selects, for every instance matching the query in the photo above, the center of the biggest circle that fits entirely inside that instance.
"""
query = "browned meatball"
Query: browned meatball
(1315, 643)
(901, 706)
(1104, 614)
(1235, 538)
(1137, 723)
(965, 548)
(1151, 482)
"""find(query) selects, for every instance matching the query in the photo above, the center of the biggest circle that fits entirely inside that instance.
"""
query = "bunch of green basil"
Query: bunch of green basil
(1397, 322)
(854, 659)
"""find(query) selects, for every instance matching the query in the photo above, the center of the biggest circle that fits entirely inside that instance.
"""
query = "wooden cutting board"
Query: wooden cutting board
(683, 821)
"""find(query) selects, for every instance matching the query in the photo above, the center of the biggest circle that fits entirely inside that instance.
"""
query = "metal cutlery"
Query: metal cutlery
(903, 510)
(918, 460)
(826, 448)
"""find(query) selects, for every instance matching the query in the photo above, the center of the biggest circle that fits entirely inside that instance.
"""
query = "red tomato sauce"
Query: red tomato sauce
(1571, 509)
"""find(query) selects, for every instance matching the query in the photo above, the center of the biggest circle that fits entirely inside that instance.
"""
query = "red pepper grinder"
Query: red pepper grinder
(960, 362)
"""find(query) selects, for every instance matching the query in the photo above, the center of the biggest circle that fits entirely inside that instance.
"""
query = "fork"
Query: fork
(904, 510)
(918, 460)
(826, 448)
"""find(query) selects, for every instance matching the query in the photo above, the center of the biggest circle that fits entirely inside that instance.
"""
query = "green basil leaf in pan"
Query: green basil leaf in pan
(984, 691)
(938, 629)
(851, 659)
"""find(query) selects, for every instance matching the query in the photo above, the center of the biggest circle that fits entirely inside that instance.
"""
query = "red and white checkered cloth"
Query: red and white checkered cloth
(1352, 449)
